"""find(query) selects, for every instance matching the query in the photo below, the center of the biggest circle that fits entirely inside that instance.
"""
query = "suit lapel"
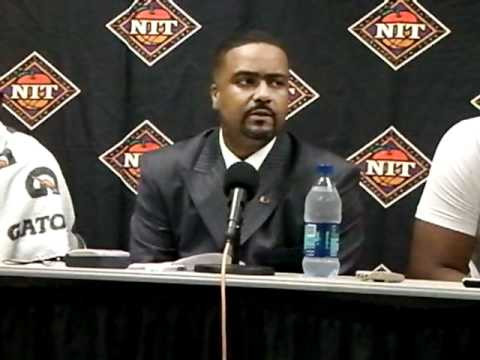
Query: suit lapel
(273, 186)
(204, 183)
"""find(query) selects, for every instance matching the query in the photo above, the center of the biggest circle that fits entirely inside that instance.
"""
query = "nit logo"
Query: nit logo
(300, 94)
(34, 90)
(124, 157)
(398, 31)
(476, 102)
(153, 28)
(391, 167)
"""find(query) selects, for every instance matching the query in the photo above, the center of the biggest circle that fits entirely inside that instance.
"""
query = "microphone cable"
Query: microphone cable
(223, 295)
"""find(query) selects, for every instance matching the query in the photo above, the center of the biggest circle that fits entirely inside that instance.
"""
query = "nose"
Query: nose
(262, 92)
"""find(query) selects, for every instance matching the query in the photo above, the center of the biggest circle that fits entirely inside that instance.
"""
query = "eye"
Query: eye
(246, 81)
(278, 83)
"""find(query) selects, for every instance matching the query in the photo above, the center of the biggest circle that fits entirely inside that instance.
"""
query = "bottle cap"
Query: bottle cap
(325, 169)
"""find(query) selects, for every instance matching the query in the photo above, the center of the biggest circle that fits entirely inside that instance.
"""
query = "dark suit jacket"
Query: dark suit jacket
(181, 209)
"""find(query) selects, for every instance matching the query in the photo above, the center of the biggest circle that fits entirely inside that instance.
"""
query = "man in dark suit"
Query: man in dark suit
(181, 209)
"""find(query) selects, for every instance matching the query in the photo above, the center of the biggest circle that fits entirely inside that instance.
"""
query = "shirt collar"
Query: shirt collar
(256, 159)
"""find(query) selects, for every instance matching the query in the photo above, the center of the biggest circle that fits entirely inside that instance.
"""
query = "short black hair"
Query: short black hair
(243, 38)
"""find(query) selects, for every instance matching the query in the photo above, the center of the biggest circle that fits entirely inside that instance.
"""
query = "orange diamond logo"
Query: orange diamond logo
(124, 157)
(391, 167)
(153, 28)
(34, 90)
(398, 31)
(300, 94)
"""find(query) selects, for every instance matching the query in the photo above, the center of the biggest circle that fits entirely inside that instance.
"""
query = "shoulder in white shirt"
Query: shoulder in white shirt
(451, 197)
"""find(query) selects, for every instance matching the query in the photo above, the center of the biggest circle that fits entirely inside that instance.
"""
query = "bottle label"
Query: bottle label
(321, 240)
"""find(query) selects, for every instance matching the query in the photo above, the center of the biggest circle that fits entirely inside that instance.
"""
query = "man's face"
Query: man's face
(250, 91)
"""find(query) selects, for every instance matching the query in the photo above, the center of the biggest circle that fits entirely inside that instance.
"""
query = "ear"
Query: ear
(214, 96)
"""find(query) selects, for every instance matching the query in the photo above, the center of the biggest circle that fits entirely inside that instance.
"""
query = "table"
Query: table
(57, 312)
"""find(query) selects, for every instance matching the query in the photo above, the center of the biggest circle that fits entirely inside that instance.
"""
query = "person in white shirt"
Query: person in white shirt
(445, 240)
(36, 211)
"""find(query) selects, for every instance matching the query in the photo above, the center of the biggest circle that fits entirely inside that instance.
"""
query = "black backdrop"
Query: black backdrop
(360, 95)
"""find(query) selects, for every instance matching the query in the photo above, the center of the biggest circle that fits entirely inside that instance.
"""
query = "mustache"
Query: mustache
(263, 108)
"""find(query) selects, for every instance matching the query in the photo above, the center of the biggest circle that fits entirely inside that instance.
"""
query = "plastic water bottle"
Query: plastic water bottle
(323, 215)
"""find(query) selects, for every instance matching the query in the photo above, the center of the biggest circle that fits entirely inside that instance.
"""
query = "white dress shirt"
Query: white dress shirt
(256, 159)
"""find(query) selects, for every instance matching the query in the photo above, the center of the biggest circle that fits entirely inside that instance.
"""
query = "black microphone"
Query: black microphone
(240, 185)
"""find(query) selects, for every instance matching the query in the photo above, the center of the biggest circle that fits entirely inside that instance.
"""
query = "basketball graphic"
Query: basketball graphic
(140, 148)
(34, 79)
(402, 17)
(392, 167)
(153, 14)
(390, 155)
(300, 94)
(35, 89)
(153, 28)
(399, 31)
(124, 158)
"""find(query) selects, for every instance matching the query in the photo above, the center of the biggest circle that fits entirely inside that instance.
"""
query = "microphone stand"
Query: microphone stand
(232, 235)
(234, 223)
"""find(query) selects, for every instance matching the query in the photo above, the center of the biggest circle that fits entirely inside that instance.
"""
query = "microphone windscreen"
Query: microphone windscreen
(241, 175)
